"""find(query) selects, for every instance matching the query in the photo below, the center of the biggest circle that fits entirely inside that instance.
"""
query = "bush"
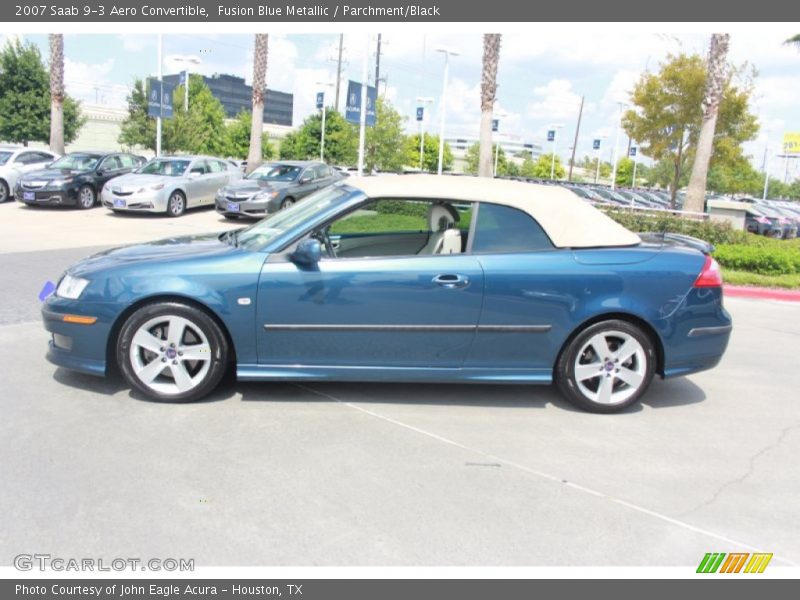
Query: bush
(711, 231)
(401, 207)
(764, 260)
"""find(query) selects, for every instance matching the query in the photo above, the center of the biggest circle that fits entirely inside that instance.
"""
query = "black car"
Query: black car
(273, 186)
(75, 179)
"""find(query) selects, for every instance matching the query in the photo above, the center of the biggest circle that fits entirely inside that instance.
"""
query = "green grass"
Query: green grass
(379, 222)
(791, 281)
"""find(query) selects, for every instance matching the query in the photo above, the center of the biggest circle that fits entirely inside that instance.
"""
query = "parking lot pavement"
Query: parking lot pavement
(382, 474)
(27, 228)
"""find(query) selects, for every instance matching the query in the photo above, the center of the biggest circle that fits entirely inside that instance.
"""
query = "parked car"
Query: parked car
(272, 187)
(522, 284)
(170, 185)
(15, 162)
(75, 179)
(757, 222)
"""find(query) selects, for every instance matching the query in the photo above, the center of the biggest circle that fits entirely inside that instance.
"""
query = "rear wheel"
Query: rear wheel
(5, 193)
(606, 367)
(172, 352)
(86, 197)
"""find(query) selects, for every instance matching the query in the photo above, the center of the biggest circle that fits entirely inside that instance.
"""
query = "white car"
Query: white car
(170, 184)
(15, 161)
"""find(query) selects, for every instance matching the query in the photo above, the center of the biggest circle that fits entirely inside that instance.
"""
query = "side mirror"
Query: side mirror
(308, 252)
(100, 172)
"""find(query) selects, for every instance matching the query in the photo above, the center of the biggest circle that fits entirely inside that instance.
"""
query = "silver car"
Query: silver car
(170, 184)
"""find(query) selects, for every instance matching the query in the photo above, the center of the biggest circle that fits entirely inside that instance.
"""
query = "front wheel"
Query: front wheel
(86, 197)
(172, 352)
(287, 203)
(176, 205)
(606, 367)
(5, 193)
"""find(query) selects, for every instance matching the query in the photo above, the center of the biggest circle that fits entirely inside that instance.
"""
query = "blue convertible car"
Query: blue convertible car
(413, 278)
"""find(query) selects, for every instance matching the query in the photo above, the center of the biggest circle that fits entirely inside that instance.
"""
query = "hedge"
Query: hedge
(764, 260)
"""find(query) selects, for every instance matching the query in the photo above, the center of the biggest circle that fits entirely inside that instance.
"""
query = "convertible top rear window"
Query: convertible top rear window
(506, 229)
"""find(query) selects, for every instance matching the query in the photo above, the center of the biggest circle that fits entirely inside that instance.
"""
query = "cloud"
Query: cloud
(555, 101)
(90, 83)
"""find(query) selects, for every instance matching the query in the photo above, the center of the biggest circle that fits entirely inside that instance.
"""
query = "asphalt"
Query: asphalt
(388, 474)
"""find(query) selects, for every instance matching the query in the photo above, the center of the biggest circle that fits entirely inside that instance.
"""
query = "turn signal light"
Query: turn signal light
(710, 276)
(79, 319)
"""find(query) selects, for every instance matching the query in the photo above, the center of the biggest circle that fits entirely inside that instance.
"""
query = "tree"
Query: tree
(716, 80)
(540, 168)
(254, 156)
(57, 93)
(794, 40)
(25, 98)
(341, 140)
(237, 138)
(137, 128)
(385, 142)
(504, 166)
(668, 116)
(491, 57)
(430, 153)
(201, 130)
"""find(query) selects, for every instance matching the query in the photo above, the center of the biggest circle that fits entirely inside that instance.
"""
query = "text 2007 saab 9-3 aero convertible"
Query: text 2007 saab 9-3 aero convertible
(414, 278)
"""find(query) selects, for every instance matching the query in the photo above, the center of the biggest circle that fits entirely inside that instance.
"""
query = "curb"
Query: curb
(759, 293)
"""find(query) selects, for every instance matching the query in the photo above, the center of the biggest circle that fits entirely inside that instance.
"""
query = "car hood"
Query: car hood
(135, 181)
(248, 187)
(169, 250)
(48, 174)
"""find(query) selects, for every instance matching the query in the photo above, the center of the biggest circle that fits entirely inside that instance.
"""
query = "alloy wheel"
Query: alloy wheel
(610, 367)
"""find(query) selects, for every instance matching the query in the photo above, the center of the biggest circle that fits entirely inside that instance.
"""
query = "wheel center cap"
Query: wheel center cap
(171, 353)
(609, 366)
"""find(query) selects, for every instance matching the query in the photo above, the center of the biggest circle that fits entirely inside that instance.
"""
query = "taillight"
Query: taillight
(710, 276)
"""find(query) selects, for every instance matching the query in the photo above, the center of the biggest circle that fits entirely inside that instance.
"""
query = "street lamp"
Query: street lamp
(554, 129)
(447, 54)
(322, 134)
(616, 144)
(193, 60)
(423, 100)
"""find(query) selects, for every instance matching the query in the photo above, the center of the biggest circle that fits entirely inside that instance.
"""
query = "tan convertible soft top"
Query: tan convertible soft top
(569, 221)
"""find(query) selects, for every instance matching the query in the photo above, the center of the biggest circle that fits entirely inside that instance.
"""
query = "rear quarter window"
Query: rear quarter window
(503, 229)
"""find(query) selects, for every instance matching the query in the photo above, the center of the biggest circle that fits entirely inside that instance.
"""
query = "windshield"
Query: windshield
(275, 172)
(168, 167)
(258, 234)
(76, 162)
(4, 156)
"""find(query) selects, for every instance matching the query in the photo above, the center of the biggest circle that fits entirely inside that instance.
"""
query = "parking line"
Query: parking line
(547, 476)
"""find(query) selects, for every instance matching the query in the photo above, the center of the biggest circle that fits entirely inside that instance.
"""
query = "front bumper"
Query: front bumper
(255, 209)
(77, 346)
(47, 197)
(151, 201)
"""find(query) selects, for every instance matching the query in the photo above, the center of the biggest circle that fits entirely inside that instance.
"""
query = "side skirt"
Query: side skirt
(392, 374)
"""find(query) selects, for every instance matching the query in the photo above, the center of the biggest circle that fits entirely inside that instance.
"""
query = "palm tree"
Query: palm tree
(716, 80)
(57, 93)
(254, 157)
(491, 57)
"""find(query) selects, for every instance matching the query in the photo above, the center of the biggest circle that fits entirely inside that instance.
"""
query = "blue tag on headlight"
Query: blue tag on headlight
(48, 290)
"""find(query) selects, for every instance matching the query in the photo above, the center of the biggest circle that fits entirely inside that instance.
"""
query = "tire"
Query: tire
(176, 204)
(145, 343)
(597, 349)
(5, 193)
(86, 197)
(287, 203)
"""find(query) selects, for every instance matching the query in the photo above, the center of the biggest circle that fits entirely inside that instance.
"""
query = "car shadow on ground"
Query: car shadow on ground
(671, 393)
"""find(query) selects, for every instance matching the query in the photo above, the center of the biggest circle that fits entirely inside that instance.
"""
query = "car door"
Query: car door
(306, 183)
(379, 312)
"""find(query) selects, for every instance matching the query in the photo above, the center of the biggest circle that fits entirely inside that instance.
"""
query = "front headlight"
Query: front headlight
(60, 182)
(71, 287)
(265, 196)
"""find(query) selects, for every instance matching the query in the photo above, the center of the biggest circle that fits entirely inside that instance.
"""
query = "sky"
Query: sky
(541, 77)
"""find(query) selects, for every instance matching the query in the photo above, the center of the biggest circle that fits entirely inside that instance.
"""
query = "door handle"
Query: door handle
(451, 280)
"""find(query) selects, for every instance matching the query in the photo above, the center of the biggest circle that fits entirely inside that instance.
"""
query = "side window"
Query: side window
(200, 167)
(44, 157)
(502, 229)
(308, 174)
(25, 158)
(112, 163)
(384, 216)
(128, 161)
(322, 171)
(216, 166)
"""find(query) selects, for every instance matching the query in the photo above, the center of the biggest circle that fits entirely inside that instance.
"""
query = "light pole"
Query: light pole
(443, 102)
(321, 96)
(161, 100)
(422, 100)
(616, 144)
(554, 129)
(190, 60)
